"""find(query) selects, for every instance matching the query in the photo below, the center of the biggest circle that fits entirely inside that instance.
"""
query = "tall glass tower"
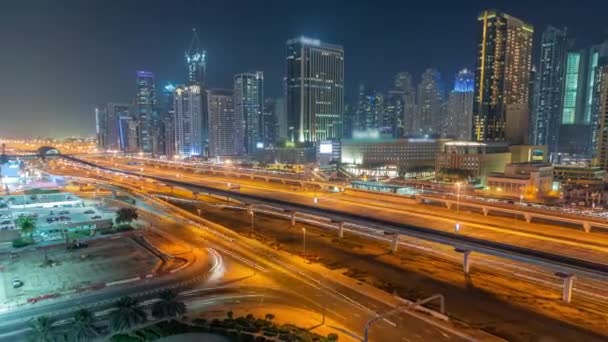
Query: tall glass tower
(196, 62)
(315, 90)
(460, 106)
(249, 107)
(146, 113)
(504, 63)
(546, 116)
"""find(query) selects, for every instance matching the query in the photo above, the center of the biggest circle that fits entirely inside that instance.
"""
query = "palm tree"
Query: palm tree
(83, 328)
(27, 224)
(127, 314)
(126, 215)
(168, 305)
(42, 330)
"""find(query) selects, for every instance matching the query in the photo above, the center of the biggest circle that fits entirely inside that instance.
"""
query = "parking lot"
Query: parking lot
(104, 260)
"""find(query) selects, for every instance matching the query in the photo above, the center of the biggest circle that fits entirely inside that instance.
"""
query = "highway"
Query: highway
(581, 257)
(586, 291)
(343, 305)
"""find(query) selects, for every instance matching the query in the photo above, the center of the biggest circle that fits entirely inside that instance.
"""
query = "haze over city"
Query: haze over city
(84, 53)
(265, 171)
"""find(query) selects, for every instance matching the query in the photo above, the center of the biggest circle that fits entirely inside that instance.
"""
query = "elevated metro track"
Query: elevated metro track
(565, 265)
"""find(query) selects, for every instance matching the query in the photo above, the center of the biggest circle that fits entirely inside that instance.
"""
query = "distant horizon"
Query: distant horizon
(82, 55)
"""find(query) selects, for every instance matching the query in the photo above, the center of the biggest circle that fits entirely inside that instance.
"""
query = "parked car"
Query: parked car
(96, 217)
(90, 212)
(17, 283)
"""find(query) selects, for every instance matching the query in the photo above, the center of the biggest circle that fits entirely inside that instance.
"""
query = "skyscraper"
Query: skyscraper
(146, 113)
(249, 107)
(579, 112)
(504, 61)
(167, 114)
(315, 90)
(392, 120)
(274, 110)
(429, 118)
(546, 116)
(460, 106)
(225, 129)
(196, 62)
(187, 124)
(601, 107)
(404, 82)
(370, 109)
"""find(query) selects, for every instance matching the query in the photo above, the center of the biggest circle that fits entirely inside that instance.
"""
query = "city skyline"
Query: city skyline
(65, 108)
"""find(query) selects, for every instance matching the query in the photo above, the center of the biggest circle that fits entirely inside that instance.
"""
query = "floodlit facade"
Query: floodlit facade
(504, 62)
(249, 106)
(473, 159)
(225, 128)
(187, 124)
(547, 114)
(602, 111)
(314, 84)
(429, 118)
(459, 123)
(146, 113)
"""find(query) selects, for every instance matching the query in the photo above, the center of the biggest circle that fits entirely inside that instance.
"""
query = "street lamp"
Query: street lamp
(252, 214)
(458, 197)
(304, 241)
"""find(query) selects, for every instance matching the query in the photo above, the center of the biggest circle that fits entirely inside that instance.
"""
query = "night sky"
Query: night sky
(60, 59)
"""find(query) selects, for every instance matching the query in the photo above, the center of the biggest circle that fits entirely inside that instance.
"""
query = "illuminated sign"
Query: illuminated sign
(326, 148)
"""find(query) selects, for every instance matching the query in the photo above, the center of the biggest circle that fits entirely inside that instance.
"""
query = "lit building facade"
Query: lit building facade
(196, 62)
(547, 114)
(504, 62)
(314, 90)
(459, 123)
(429, 118)
(225, 128)
(472, 159)
(370, 109)
(146, 113)
(404, 82)
(249, 107)
(392, 120)
(167, 114)
(405, 154)
(187, 124)
(602, 115)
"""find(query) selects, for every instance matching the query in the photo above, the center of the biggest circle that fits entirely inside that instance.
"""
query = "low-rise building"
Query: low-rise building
(522, 180)
(471, 159)
(285, 155)
(405, 154)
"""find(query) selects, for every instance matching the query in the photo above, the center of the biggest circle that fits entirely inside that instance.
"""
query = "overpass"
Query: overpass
(234, 173)
(564, 266)
(586, 222)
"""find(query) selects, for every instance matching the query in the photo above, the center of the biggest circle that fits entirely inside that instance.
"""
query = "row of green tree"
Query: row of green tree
(126, 315)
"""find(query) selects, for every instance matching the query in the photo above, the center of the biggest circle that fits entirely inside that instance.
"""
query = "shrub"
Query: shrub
(20, 243)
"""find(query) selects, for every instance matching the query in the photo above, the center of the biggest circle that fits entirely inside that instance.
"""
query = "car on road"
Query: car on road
(96, 217)
(17, 283)
(5, 222)
(64, 212)
(90, 212)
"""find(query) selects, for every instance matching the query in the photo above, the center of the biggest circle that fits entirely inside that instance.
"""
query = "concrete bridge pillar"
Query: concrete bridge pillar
(568, 285)
(587, 227)
(395, 243)
(293, 218)
(485, 211)
(466, 261)
(528, 217)
(448, 205)
(340, 230)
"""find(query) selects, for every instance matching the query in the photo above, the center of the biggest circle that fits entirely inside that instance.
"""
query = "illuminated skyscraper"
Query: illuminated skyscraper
(187, 124)
(601, 107)
(504, 61)
(196, 62)
(429, 118)
(404, 82)
(546, 116)
(146, 113)
(460, 106)
(314, 89)
(167, 114)
(370, 109)
(249, 107)
(225, 128)
(580, 110)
